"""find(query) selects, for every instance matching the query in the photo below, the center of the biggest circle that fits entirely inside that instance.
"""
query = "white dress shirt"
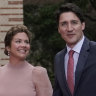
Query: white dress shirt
(77, 49)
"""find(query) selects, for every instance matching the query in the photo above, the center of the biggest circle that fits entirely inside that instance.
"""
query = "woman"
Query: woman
(18, 77)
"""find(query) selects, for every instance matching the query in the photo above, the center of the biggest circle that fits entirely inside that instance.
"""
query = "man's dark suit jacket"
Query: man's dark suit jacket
(85, 74)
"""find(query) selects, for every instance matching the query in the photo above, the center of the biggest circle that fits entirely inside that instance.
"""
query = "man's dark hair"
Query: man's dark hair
(70, 7)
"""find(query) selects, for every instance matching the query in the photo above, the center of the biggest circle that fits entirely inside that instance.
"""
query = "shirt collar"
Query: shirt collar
(77, 47)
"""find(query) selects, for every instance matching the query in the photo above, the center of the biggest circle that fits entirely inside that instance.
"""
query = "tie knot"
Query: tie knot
(71, 52)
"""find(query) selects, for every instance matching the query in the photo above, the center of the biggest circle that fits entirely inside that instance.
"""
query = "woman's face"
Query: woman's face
(20, 46)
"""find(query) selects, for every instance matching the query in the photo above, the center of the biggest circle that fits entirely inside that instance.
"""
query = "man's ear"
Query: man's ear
(58, 30)
(83, 25)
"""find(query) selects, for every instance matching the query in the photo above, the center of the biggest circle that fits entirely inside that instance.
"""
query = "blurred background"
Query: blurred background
(39, 17)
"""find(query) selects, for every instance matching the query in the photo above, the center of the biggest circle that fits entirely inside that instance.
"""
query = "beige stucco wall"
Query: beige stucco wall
(11, 13)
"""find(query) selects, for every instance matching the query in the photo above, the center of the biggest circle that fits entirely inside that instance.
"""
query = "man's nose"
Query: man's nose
(69, 27)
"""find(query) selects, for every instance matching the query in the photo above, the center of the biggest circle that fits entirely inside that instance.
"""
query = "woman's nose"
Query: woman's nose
(23, 44)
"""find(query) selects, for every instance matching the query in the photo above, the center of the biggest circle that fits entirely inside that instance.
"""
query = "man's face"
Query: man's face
(70, 28)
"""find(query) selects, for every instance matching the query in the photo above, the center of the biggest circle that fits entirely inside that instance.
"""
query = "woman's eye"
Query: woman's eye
(27, 42)
(18, 41)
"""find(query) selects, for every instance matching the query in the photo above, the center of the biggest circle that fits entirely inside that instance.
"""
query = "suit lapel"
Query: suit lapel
(62, 67)
(81, 61)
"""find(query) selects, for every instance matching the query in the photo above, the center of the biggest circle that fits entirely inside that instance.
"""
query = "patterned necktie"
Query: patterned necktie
(70, 72)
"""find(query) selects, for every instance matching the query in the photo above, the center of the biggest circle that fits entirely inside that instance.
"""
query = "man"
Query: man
(80, 78)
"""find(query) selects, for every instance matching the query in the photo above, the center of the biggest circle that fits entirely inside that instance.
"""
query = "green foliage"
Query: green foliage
(46, 41)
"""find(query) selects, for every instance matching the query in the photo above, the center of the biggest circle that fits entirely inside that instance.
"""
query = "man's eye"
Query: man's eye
(74, 22)
(63, 24)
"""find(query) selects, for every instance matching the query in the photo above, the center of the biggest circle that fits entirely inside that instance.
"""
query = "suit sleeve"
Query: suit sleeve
(42, 82)
(56, 89)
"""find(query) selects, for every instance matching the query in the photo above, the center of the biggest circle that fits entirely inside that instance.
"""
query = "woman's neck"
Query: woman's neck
(16, 62)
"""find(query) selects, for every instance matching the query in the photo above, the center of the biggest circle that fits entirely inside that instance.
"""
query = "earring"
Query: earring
(8, 53)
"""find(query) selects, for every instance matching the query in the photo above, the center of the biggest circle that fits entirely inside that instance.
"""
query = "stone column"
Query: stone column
(11, 13)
